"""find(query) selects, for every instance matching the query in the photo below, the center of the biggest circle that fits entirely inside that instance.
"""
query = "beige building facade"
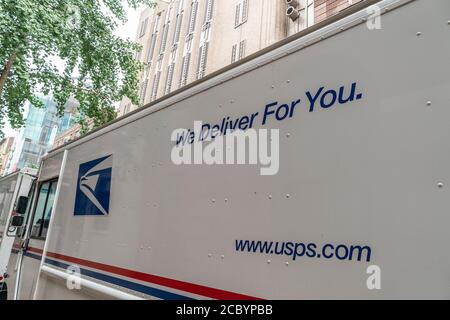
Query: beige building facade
(184, 40)
(327, 8)
(74, 132)
(67, 136)
(5, 151)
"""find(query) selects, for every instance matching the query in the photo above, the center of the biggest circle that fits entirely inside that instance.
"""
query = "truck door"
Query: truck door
(32, 240)
(20, 235)
(7, 187)
(14, 200)
(44, 205)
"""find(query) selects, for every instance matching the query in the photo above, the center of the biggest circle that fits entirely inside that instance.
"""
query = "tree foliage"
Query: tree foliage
(43, 43)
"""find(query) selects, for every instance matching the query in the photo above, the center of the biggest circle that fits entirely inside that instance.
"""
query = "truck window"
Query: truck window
(7, 187)
(44, 205)
(22, 230)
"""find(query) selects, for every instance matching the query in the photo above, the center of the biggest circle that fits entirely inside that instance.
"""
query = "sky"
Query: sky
(128, 30)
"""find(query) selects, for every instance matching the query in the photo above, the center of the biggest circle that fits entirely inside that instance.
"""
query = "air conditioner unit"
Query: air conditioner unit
(292, 13)
(292, 3)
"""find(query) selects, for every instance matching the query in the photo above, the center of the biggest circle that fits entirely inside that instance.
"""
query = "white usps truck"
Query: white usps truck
(358, 205)
(15, 190)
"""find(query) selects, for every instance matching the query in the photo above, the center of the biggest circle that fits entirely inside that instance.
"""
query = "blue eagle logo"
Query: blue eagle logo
(93, 187)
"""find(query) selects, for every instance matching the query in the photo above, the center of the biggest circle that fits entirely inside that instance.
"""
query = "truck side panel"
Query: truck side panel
(359, 175)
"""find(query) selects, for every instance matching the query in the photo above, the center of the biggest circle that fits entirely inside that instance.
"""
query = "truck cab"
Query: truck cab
(15, 192)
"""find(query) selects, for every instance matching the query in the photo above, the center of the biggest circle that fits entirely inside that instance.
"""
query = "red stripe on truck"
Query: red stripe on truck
(167, 282)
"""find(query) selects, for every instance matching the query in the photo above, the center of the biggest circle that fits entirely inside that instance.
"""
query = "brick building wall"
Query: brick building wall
(324, 9)
(71, 134)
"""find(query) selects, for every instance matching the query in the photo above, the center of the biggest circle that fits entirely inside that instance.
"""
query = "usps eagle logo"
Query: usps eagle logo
(93, 187)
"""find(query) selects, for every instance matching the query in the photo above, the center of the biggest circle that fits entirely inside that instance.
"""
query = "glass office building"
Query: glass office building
(36, 138)
(68, 120)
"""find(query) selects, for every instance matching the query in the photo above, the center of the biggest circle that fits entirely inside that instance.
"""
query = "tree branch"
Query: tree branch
(92, 91)
(6, 70)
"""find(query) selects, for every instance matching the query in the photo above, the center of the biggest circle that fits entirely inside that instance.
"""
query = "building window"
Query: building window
(176, 36)
(202, 59)
(165, 32)
(244, 11)
(155, 85)
(151, 49)
(137, 56)
(143, 28)
(193, 17)
(169, 79)
(242, 49)
(143, 91)
(233, 53)
(180, 6)
(241, 13)
(185, 69)
(156, 24)
(208, 10)
(178, 23)
(237, 16)
(127, 108)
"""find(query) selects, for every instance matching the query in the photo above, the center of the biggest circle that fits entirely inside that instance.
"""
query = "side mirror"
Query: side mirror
(17, 221)
(22, 204)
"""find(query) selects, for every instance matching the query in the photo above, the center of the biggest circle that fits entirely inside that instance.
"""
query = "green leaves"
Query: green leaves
(56, 39)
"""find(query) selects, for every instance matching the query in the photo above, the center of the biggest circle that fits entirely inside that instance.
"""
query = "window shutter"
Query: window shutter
(188, 65)
(244, 11)
(144, 91)
(199, 62)
(164, 39)
(180, 6)
(193, 18)
(155, 85)
(156, 23)
(176, 37)
(205, 58)
(242, 49)
(170, 70)
(209, 10)
(143, 27)
(237, 16)
(152, 48)
(185, 69)
(233, 53)
(202, 60)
